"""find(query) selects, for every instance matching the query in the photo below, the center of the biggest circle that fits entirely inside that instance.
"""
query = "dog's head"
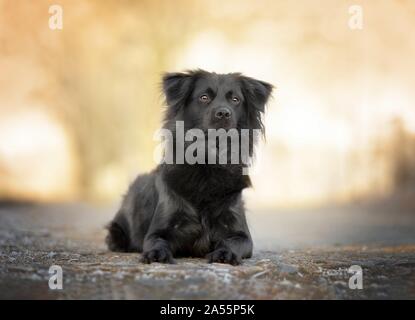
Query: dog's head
(207, 100)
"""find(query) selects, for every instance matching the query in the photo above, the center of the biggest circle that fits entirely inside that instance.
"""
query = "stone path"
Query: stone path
(34, 237)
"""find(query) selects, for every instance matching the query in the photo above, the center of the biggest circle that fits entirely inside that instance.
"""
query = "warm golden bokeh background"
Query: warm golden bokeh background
(79, 106)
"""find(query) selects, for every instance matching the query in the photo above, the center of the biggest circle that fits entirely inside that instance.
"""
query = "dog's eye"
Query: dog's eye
(204, 98)
(235, 100)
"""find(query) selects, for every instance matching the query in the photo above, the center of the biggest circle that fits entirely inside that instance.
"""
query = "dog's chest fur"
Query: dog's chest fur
(206, 186)
(211, 191)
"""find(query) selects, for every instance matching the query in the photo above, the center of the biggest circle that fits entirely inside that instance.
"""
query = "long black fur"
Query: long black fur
(194, 210)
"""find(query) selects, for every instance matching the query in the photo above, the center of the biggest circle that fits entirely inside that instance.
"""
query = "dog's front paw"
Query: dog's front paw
(223, 255)
(162, 255)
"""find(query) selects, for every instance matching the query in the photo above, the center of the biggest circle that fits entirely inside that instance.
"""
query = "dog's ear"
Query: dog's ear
(256, 92)
(176, 88)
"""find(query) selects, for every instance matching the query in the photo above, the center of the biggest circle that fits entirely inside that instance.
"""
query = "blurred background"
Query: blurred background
(79, 106)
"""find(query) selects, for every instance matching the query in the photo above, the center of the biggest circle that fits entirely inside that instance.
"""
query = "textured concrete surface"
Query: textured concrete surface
(299, 255)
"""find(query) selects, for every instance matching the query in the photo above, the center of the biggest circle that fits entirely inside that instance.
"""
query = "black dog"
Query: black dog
(194, 209)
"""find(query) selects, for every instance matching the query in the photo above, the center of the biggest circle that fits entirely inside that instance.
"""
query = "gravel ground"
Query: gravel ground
(303, 265)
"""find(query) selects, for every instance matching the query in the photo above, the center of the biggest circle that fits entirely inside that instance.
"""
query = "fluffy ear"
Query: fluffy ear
(256, 95)
(176, 88)
(256, 92)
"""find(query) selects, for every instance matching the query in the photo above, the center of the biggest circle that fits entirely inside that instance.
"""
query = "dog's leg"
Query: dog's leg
(156, 247)
(232, 249)
(236, 243)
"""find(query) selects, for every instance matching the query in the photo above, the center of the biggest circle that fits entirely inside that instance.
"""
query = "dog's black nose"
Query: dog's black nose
(223, 113)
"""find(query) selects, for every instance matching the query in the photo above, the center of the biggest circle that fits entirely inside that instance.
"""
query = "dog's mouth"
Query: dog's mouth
(222, 124)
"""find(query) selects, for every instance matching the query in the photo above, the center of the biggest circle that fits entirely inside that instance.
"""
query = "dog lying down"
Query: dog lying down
(183, 208)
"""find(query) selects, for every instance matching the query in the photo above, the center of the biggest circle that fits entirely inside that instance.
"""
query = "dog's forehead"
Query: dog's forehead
(218, 82)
